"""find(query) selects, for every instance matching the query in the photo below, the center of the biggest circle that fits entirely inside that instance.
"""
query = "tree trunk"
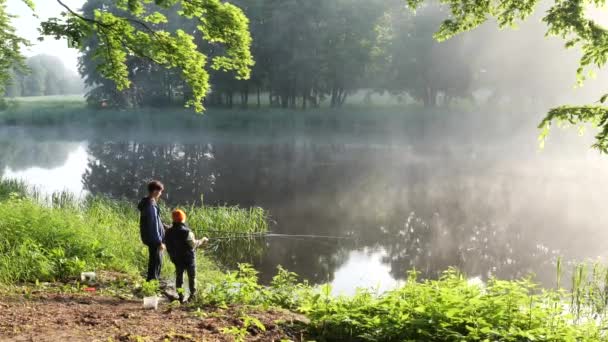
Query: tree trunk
(334, 97)
(344, 96)
(259, 102)
(230, 99)
(368, 98)
(244, 98)
(292, 100)
(430, 97)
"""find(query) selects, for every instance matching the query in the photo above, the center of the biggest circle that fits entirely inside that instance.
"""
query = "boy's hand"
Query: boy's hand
(204, 241)
(162, 247)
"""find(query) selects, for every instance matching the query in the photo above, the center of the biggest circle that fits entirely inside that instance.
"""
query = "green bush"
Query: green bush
(242, 287)
(447, 309)
(452, 309)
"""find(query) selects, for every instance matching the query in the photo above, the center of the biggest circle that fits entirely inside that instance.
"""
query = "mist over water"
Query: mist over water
(488, 203)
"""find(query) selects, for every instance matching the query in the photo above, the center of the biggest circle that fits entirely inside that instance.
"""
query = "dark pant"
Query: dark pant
(179, 278)
(155, 262)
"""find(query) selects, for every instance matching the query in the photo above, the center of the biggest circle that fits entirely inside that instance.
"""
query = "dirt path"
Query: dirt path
(58, 317)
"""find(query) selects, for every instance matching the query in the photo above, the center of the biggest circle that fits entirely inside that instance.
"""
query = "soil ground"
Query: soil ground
(94, 317)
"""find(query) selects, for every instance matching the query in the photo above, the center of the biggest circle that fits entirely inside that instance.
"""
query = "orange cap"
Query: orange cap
(178, 215)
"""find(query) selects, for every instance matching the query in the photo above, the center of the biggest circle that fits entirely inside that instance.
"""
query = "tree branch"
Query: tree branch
(81, 16)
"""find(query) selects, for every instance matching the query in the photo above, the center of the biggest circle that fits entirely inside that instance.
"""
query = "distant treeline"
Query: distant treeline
(46, 75)
(319, 52)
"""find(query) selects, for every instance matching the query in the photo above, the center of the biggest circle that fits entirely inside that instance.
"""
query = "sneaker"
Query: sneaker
(191, 297)
(170, 296)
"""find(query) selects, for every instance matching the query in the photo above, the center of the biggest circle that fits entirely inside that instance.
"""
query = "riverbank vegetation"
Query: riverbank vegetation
(55, 239)
(452, 308)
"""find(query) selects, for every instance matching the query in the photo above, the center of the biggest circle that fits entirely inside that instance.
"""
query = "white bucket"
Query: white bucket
(87, 276)
(151, 302)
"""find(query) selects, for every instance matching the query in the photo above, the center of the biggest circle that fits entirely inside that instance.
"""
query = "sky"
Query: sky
(27, 26)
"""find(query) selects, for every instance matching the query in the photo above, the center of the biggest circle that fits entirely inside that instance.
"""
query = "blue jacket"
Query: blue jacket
(150, 225)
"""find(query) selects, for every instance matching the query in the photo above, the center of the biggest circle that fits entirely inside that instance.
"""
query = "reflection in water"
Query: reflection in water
(429, 213)
(487, 215)
(365, 268)
(19, 153)
(60, 167)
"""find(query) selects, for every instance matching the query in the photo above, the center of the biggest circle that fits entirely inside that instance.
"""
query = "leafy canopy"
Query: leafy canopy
(566, 19)
(137, 31)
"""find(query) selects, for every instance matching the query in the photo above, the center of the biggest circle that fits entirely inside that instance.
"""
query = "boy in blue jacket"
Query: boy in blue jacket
(151, 229)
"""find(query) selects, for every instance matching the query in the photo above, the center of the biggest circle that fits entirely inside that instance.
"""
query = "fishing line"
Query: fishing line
(324, 243)
(311, 236)
(276, 235)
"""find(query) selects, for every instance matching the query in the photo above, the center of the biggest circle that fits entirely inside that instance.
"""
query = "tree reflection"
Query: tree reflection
(21, 154)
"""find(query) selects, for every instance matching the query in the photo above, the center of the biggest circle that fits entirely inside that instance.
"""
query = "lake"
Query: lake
(487, 206)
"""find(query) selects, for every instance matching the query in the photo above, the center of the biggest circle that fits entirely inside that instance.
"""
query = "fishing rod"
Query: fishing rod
(277, 235)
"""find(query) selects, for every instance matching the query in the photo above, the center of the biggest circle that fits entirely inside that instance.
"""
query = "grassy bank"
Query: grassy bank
(411, 119)
(56, 240)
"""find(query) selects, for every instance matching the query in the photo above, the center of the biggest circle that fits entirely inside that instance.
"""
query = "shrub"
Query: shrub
(451, 309)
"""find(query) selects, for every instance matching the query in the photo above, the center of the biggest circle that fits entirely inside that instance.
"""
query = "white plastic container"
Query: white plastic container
(87, 276)
(151, 302)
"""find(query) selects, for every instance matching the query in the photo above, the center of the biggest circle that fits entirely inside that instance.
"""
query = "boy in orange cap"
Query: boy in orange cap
(181, 245)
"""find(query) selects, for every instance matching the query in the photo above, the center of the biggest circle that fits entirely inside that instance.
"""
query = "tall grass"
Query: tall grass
(224, 221)
(57, 239)
(11, 187)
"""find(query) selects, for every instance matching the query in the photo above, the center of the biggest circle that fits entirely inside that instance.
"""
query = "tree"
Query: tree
(46, 75)
(305, 51)
(349, 41)
(564, 18)
(35, 83)
(15, 87)
(10, 46)
(136, 29)
(410, 61)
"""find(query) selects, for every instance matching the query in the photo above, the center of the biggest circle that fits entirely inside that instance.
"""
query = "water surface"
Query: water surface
(487, 207)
